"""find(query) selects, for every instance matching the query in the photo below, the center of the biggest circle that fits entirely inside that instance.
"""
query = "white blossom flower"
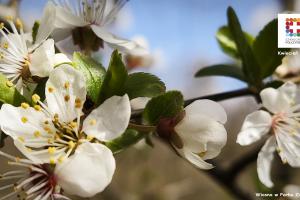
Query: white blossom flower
(94, 15)
(56, 133)
(281, 122)
(21, 61)
(90, 178)
(201, 133)
(29, 181)
(290, 67)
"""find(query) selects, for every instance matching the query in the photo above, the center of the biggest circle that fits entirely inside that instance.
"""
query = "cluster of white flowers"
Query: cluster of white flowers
(64, 148)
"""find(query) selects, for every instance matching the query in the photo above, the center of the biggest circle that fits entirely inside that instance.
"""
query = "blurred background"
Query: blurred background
(181, 37)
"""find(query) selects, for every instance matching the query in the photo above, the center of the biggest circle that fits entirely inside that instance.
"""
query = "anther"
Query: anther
(36, 98)
(25, 105)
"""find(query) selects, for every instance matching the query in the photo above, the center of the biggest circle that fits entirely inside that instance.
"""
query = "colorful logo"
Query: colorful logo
(292, 27)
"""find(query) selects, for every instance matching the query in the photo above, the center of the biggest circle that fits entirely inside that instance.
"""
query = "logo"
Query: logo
(289, 30)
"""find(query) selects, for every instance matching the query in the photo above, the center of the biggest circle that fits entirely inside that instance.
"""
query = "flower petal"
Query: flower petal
(202, 135)
(47, 24)
(65, 92)
(88, 171)
(195, 159)
(264, 160)
(139, 103)
(60, 58)
(289, 89)
(209, 108)
(115, 42)
(256, 125)
(66, 19)
(109, 120)
(275, 100)
(20, 123)
(42, 59)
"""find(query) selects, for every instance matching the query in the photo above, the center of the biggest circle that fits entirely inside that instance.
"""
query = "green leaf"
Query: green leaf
(251, 68)
(115, 78)
(227, 43)
(166, 105)
(9, 94)
(94, 73)
(129, 138)
(35, 30)
(144, 85)
(222, 70)
(274, 84)
(266, 50)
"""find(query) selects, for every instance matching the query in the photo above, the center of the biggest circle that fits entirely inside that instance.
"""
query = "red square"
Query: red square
(291, 30)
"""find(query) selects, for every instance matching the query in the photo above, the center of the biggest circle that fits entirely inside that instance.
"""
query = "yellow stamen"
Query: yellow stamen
(1, 25)
(61, 159)
(9, 18)
(21, 139)
(24, 119)
(71, 144)
(36, 98)
(19, 23)
(67, 85)
(73, 124)
(93, 122)
(90, 138)
(51, 150)
(78, 103)
(67, 98)
(50, 89)
(37, 107)
(5, 45)
(25, 105)
(52, 161)
(37, 134)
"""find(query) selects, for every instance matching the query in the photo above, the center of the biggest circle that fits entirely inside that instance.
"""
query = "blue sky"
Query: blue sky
(184, 30)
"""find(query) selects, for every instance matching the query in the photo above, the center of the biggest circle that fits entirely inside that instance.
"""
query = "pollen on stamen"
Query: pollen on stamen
(78, 103)
(25, 105)
(37, 134)
(71, 144)
(36, 98)
(2, 25)
(24, 119)
(67, 98)
(202, 154)
(67, 85)
(52, 161)
(73, 124)
(279, 150)
(50, 89)
(19, 23)
(9, 18)
(5, 45)
(51, 150)
(90, 137)
(61, 159)
(93, 122)
(37, 107)
(21, 139)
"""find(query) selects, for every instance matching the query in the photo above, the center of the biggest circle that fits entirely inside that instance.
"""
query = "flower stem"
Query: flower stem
(142, 128)
(225, 95)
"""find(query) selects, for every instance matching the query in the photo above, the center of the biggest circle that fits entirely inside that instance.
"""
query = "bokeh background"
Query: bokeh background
(181, 35)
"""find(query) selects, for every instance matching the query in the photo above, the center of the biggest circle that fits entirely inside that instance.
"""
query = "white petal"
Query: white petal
(264, 160)
(289, 89)
(209, 108)
(275, 100)
(115, 42)
(201, 134)
(57, 93)
(42, 59)
(19, 122)
(139, 103)
(88, 171)
(109, 120)
(65, 19)
(195, 159)
(255, 126)
(60, 58)
(47, 23)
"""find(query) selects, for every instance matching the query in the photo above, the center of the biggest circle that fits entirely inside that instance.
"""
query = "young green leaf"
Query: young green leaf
(115, 78)
(227, 43)
(144, 85)
(35, 30)
(129, 138)
(251, 67)
(166, 105)
(8, 93)
(94, 73)
(266, 50)
(222, 70)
